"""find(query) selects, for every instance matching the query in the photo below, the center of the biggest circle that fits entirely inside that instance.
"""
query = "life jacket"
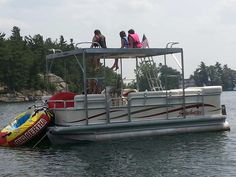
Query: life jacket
(136, 41)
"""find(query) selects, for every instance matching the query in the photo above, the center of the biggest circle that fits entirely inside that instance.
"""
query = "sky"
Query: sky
(205, 29)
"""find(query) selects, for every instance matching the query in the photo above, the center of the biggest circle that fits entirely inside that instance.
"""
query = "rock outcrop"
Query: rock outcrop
(60, 84)
(29, 95)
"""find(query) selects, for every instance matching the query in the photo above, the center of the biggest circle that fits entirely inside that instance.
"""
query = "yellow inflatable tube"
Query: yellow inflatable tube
(25, 127)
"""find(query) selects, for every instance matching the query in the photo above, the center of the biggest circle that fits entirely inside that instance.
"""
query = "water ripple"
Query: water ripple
(202, 154)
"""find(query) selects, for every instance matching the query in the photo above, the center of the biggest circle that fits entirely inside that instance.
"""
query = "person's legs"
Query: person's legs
(97, 64)
(115, 65)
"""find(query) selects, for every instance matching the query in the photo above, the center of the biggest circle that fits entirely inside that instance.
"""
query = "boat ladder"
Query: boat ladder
(151, 73)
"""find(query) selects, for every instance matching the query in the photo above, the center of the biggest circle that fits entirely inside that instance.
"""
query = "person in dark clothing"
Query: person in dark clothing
(98, 40)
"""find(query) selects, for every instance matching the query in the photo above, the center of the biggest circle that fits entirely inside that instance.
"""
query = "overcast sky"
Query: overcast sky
(205, 29)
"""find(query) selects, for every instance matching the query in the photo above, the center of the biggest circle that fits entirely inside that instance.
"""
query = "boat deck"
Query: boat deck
(116, 52)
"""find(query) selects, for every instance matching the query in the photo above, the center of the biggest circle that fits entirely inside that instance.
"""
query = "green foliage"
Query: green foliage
(23, 58)
(215, 75)
(15, 62)
(201, 75)
(2, 54)
(142, 75)
(168, 76)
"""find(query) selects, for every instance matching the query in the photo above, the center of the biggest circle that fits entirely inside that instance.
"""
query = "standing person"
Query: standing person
(133, 39)
(98, 40)
(124, 44)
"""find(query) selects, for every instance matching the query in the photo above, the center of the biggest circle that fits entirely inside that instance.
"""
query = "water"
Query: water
(202, 154)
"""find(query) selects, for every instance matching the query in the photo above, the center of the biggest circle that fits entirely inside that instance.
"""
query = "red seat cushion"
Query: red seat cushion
(57, 100)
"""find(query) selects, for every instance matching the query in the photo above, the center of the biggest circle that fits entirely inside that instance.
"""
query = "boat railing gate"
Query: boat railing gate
(170, 101)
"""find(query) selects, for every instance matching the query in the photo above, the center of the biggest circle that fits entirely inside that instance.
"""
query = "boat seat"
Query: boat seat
(62, 100)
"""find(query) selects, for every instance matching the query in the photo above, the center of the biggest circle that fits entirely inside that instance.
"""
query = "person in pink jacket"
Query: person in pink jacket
(133, 39)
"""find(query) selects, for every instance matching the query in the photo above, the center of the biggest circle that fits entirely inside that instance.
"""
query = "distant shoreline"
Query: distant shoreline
(25, 96)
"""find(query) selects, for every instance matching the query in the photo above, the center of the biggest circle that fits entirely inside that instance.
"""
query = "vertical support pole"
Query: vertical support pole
(137, 80)
(106, 96)
(120, 97)
(183, 84)
(121, 73)
(203, 107)
(129, 113)
(47, 79)
(85, 88)
(167, 98)
(65, 74)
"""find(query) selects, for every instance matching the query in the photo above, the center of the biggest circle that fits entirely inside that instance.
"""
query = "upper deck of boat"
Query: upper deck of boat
(110, 53)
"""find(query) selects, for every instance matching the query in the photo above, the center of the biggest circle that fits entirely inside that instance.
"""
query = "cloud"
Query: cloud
(8, 23)
(2, 2)
(227, 12)
(204, 26)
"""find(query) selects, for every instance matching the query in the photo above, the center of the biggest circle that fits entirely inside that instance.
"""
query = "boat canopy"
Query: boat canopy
(116, 52)
(143, 54)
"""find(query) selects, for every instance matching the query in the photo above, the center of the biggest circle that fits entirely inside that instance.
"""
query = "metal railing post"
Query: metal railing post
(85, 89)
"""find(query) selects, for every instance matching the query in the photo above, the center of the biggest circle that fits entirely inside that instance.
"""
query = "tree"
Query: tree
(23, 59)
(16, 62)
(141, 73)
(219, 74)
(168, 76)
(201, 75)
(228, 78)
(16, 37)
(2, 53)
(215, 75)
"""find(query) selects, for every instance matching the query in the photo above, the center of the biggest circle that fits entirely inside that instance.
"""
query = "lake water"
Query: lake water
(201, 154)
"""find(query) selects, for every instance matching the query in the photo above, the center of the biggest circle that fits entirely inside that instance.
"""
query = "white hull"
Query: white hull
(64, 135)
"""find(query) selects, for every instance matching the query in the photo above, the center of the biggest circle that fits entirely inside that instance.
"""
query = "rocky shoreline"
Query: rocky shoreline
(32, 95)
(22, 96)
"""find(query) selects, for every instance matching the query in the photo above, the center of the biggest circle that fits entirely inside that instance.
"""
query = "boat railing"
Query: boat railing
(117, 102)
(84, 43)
(145, 100)
(53, 104)
(198, 102)
(99, 101)
(172, 100)
(93, 101)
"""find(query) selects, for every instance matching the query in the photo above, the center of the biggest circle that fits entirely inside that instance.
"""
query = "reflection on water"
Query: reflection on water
(202, 154)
